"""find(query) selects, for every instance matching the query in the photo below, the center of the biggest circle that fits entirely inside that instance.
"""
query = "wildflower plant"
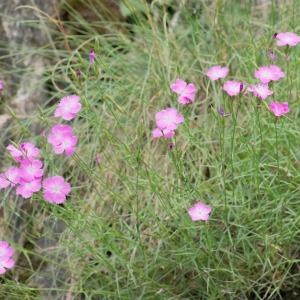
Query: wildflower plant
(164, 162)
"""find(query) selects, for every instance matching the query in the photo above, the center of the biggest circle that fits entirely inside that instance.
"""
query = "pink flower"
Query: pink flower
(5, 251)
(261, 90)
(62, 139)
(168, 119)
(233, 88)
(266, 74)
(1, 86)
(92, 57)
(27, 151)
(10, 177)
(199, 211)
(31, 170)
(5, 257)
(279, 109)
(67, 145)
(165, 133)
(186, 91)
(26, 189)
(287, 38)
(6, 263)
(56, 189)
(217, 72)
(58, 132)
(68, 107)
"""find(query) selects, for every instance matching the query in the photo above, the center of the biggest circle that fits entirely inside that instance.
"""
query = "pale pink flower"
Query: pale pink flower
(186, 91)
(58, 132)
(168, 118)
(279, 109)
(261, 90)
(217, 72)
(5, 251)
(199, 211)
(67, 145)
(6, 264)
(92, 57)
(31, 170)
(26, 189)
(10, 177)
(287, 38)
(165, 133)
(56, 189)
(68, 107)
(233, 88)
(266, 74)
(27, 151)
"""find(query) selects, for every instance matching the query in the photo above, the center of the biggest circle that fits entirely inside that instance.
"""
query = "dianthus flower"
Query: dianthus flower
(279, 109)
(5, 257)
(56, 189)
(261, 90)
(67, 145)
(186, 91)
(217, 72)
(68, 107)
(233, 88)
(5, 251)
(165, 133)
(199, 211)
(31, 170)
(26, 189)
(27, 151)
(287, 38)
(168, 118)
(57, 135)
(6, 264)
(10, 177)
(266, 74)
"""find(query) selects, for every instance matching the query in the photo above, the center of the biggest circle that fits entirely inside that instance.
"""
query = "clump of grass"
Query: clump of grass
(124, 231)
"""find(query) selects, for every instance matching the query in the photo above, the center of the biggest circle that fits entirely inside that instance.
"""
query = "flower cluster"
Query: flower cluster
(167, 121)
(265, 74)
(27, 176)
(5, 257)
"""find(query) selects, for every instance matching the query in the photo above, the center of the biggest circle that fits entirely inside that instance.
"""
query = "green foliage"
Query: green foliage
(124, 232)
